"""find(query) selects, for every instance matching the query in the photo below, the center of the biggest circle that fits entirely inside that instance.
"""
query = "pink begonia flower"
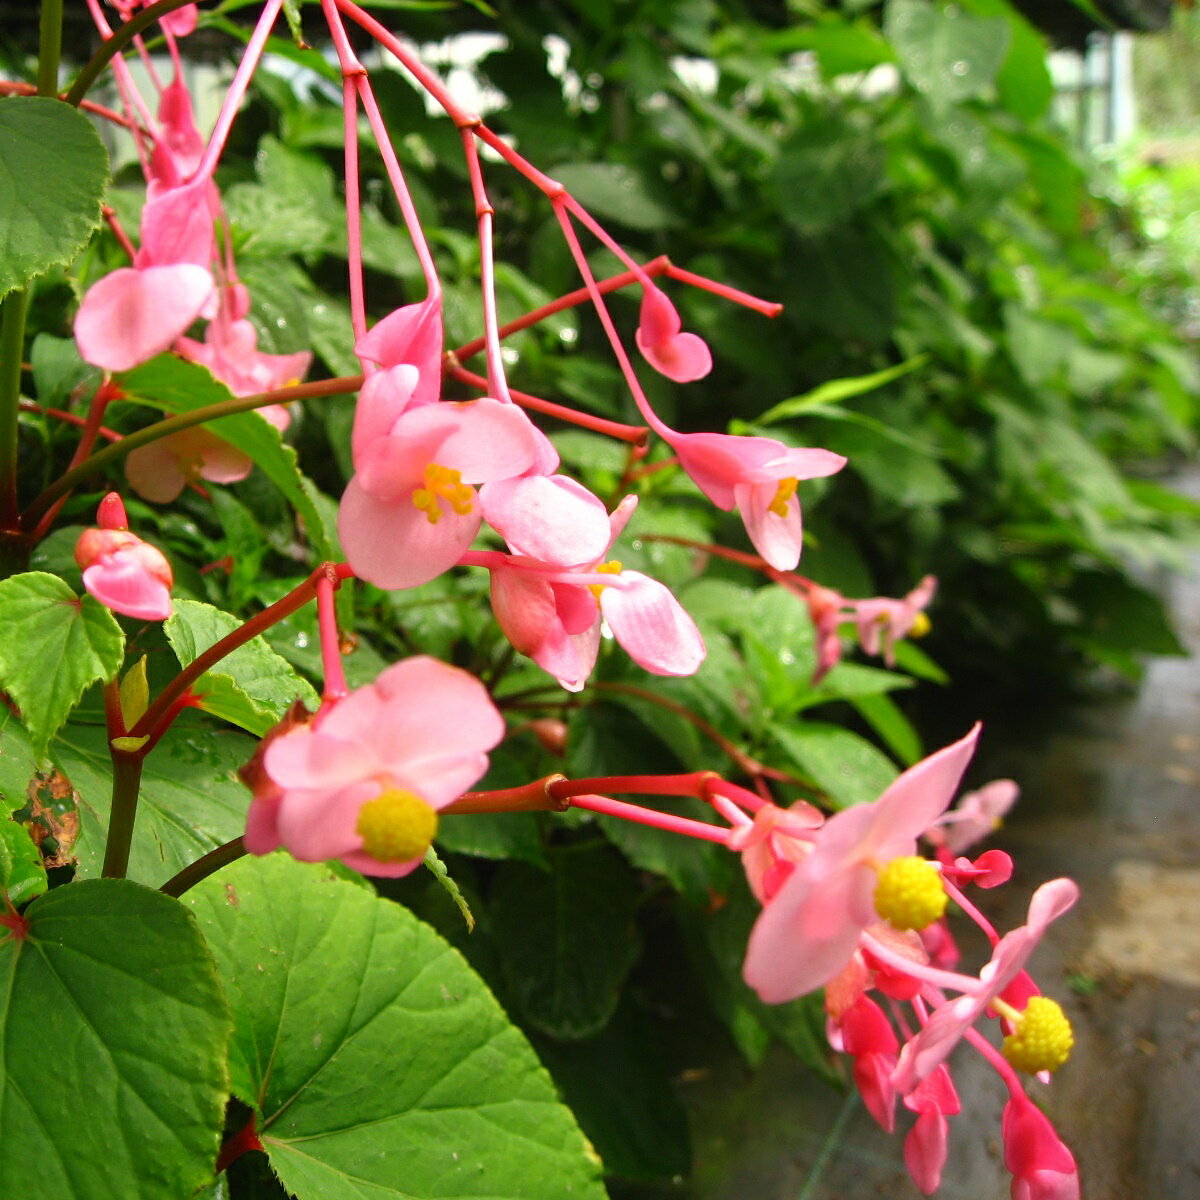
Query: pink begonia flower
(774, 843)
(181, 22)
(422, 729)
(136, 312)
(230, 351)
(548, 517)
(124, 573)
(411, 510)
(975, 816)
(758, 476)
(413, 335)
(1042, 1167)
(825, 610)
(867, 1035)
(933, 1100)
(949, 1021)
(552, 614)
(882, 622)
(683, 357)
(161, 470)
(810, 930)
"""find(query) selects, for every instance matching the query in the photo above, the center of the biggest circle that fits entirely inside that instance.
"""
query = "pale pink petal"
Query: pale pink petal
(683, 357)
(182, 21)
(777, 538)
(551, 518)
(384, 396)
(309, 758)
(262, 824)
(121, 583)
(487, 440)
(412, 334)
(129, 316)
(318, 824)
(528, 610)
(651, 625)
(153, 472)
(392, 544)
(177, 227)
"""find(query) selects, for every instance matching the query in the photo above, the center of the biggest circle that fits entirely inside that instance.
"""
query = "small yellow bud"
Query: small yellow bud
(909, 893)
(396, 826)
(1043, 1037)
(783, 493)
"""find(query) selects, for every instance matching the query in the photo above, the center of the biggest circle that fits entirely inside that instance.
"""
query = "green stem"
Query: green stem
(203, 867)
(162, 429)
(127, 782)
(120, 39)
(49, 47)
(12, 342)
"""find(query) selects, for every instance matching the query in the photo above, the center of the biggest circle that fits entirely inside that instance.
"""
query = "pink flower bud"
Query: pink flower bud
(125, 574)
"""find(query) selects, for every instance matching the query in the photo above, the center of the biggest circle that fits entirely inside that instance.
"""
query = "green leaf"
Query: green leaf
(191, 799)
(22, 875)
(883, 715)
(381, 1066)
(848, 769)
(176, 386)
(51, 186)
(945, 52)
(617, 192)
(114, 1031)
(253, 687)
(1024, 81)
(55, 645)
(840, 389)
(567, 938)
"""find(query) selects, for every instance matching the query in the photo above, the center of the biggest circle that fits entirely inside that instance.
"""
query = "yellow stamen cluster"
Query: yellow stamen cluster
(396, 826)
(783, 493)
(1043, 1037)
(608, 568)
(443, 483)
(909, 893)
(921, 626)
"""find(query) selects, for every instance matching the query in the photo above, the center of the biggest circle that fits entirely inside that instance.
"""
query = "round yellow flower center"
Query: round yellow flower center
(443, 483)
(396, 826)
(921, 626)
(608, 568)
(1043, 1037)
(909, 893)
(783, 493)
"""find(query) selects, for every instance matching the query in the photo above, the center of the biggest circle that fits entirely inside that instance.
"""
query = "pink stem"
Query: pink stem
(647, 816)
(635, 434)
(961, 900)
(497, 382)
(610, 329)
(237, 89)
(739, 795)
(331, 645)
(768, 308)
(922, 971)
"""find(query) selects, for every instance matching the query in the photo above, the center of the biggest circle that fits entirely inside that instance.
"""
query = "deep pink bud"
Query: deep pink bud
(111, 513)
(1041, 1165)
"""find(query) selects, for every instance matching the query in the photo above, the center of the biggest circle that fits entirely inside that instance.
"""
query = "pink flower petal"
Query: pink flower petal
(551, 518)
(777, 538)
(683, 357)
(652, 626)
(412, 334)
(129, 316)
(384, 396)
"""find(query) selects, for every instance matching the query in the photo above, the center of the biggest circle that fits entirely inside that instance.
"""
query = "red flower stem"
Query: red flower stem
(691, 784)
(648, 816)
(331, 647)
(114, 719)
(409, 61)
(236, 1145)
(126, 787)
(160, 710)
(788, 579)
(656, 266)
(101, 398)
(497, 381)
(768, 308)
(116, 41)
(203, 867)
(529, 797)
(237, 89)
(614, 339)
(956, 894)
(635, 434)
(118, 231)
(724, 790)
(353, 75)
(161, 429)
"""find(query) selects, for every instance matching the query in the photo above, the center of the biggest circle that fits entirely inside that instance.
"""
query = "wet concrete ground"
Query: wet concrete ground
(1112, 798)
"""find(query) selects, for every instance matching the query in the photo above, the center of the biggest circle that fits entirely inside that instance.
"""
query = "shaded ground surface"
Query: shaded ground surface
(1112, 797)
